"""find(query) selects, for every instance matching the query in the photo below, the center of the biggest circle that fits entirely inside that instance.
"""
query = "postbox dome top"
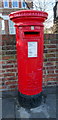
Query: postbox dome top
(20, 15)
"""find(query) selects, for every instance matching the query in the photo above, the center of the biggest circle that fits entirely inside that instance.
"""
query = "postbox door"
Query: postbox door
(30, 63)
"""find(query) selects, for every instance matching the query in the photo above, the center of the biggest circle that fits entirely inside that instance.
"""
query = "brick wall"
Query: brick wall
(50, 59)
(8, 72)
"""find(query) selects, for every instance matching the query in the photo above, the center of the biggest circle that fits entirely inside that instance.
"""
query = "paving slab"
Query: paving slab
(8, 108)
(47, 110)
(12, 109)
(0, 108)
(38, 112)
(51, 101)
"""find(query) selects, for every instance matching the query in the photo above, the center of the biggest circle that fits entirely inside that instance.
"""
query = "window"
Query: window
(23, 4)
(6, 3)
(14, 3)
(3, 27)
(11, 27)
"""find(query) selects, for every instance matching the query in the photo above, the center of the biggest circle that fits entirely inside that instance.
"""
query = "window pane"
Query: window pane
(3, 25)
(11, 27)
(23, 4)
(15, 3)
(12, 31)
(11, 23)
(5, 3)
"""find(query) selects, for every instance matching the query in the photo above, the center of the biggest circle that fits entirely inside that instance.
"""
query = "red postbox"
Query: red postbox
(29, 43)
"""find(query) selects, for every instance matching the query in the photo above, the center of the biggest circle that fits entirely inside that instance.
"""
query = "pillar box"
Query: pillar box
(29, 44)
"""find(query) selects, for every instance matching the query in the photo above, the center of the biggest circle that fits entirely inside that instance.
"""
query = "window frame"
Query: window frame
(4, 3)
(3, 27)
(17, 3)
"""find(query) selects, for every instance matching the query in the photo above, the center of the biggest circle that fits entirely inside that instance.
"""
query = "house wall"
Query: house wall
(8, 71)
(6, 11)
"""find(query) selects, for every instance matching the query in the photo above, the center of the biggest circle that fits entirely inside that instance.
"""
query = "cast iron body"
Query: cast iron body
(29, 44)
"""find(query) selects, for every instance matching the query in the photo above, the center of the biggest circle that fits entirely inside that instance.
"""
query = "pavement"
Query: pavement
(12, 110)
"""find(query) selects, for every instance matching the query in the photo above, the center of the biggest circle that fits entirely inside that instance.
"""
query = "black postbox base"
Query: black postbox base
(28, 101)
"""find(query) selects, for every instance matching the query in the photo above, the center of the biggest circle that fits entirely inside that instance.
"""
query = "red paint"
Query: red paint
(29, 68)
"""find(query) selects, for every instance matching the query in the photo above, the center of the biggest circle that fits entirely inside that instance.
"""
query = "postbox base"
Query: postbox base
(28, 101)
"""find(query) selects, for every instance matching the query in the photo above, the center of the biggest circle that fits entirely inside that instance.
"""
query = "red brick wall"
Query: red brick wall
(50, 59)
(8, 72)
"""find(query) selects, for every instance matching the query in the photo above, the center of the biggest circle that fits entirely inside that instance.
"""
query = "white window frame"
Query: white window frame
(4, 4)
(3, 27)
(11, 27)
(17, 2)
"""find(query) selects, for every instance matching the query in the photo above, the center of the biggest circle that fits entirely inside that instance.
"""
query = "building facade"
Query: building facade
(6, 7)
